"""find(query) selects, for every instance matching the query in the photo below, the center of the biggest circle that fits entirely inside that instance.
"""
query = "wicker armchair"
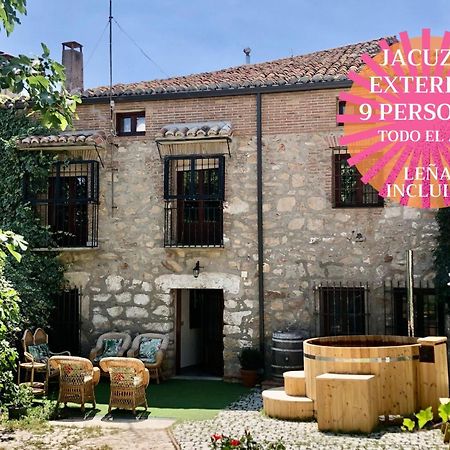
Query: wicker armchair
(96, 353)
(40, 338)
(78, 378)
(154, 368)
(129, 380)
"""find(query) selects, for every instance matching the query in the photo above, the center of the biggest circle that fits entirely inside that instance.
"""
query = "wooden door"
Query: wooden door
(212, 330)
(199, 218)
(67, 210)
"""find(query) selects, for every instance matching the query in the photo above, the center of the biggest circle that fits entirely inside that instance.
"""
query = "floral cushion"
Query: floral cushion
(40, 352)
(73, 373)
(111, 347)
(148, 349)
(122, 376)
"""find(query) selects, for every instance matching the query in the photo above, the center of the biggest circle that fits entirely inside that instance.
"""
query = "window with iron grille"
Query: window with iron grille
(348, 189)
(68, 203)
(429, 317)
(342, 310)
(194, 189)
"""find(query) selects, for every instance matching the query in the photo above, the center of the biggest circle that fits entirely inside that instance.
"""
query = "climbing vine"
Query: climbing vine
(40, 274)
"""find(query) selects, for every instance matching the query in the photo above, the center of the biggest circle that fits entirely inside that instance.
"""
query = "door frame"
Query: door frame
(178, 331)
(178, 303)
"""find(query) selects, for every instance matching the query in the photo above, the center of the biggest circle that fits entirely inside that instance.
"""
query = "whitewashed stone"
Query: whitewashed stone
(301, 270)
(146, 286)
(122, 325)
(101, 297)
(162, 310)
(165, 298)
(392, 211)
(235, 318)
(134, 312)
(125, 297)
(172, 265)
(206, 280)
(79, 279)
(316, 203)
(85, 307)
(230, 304)
(231, 329)
(159, 327)
(298, 180)
(114, 283)
(315, 224)
(285, 204)
(237, 206)
(141, 299)
(115, 311)
(99, 321)
(411, 213)
(296, 224)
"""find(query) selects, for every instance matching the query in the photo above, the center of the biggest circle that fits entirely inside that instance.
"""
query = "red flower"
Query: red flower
(217, 437)
(235, 442)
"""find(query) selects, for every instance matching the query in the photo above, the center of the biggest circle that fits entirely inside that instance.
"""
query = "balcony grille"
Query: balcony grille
(193, 206)
(68, 203)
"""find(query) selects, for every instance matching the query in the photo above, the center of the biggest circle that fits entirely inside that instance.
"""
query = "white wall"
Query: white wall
(190, 338)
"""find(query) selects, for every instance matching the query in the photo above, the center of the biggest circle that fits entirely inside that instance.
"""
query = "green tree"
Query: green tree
(37, 83)
(9, 310)
(40, 275)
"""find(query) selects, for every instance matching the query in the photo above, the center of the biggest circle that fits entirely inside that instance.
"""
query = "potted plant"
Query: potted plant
(18, 400)
(252, 361)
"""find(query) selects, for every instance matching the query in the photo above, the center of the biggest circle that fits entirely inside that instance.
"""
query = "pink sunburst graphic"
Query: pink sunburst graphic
(396, 121)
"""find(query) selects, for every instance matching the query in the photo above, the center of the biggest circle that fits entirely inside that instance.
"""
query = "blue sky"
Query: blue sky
(191, 36)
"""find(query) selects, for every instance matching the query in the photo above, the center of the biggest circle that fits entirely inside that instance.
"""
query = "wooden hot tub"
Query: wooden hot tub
(393, 359)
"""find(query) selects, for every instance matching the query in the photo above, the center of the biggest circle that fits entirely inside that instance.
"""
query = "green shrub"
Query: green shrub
(251, 359)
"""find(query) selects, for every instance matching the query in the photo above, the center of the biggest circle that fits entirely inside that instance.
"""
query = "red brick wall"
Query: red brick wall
(290, 112)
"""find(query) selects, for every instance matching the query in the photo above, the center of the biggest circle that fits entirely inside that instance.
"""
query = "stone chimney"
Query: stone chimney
(72, 60)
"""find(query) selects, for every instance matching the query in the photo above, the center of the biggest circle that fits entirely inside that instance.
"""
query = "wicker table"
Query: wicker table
(38, 388)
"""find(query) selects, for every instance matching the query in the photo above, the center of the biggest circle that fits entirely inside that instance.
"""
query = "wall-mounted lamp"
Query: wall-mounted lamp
(357, 237)
(196, 269)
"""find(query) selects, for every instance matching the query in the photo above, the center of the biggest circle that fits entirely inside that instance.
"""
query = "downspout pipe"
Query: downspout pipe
(259, 188)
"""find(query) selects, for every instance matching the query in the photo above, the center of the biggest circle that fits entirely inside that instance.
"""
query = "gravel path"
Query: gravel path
(91, 438)
(245, 414)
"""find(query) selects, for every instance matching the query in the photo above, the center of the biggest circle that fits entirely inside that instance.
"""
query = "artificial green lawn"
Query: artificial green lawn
(178, 399)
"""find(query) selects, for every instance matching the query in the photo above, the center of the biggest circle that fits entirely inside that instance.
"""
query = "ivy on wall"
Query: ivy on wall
(442, 254)
(40, 275)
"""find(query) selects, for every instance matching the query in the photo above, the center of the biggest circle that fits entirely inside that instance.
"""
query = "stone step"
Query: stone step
(282, 406)
(294, 383)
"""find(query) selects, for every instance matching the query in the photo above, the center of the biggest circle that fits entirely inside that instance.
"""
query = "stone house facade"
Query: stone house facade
(286, 247)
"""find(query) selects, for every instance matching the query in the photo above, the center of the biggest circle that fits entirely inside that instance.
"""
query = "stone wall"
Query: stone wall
(128, 282)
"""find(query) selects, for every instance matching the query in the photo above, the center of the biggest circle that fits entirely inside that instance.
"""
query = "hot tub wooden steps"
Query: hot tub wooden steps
(294, 383)
(282, 406)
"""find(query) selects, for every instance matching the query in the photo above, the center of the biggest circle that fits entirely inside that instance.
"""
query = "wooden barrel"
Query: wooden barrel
(287, 352)
(393, 359)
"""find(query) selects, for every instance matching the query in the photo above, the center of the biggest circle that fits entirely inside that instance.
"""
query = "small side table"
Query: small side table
(30, 367)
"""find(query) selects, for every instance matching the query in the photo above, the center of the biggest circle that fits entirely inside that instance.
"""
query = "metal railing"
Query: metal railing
(429, 312)
(68, 203)
(190, 223)
(341, 308)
